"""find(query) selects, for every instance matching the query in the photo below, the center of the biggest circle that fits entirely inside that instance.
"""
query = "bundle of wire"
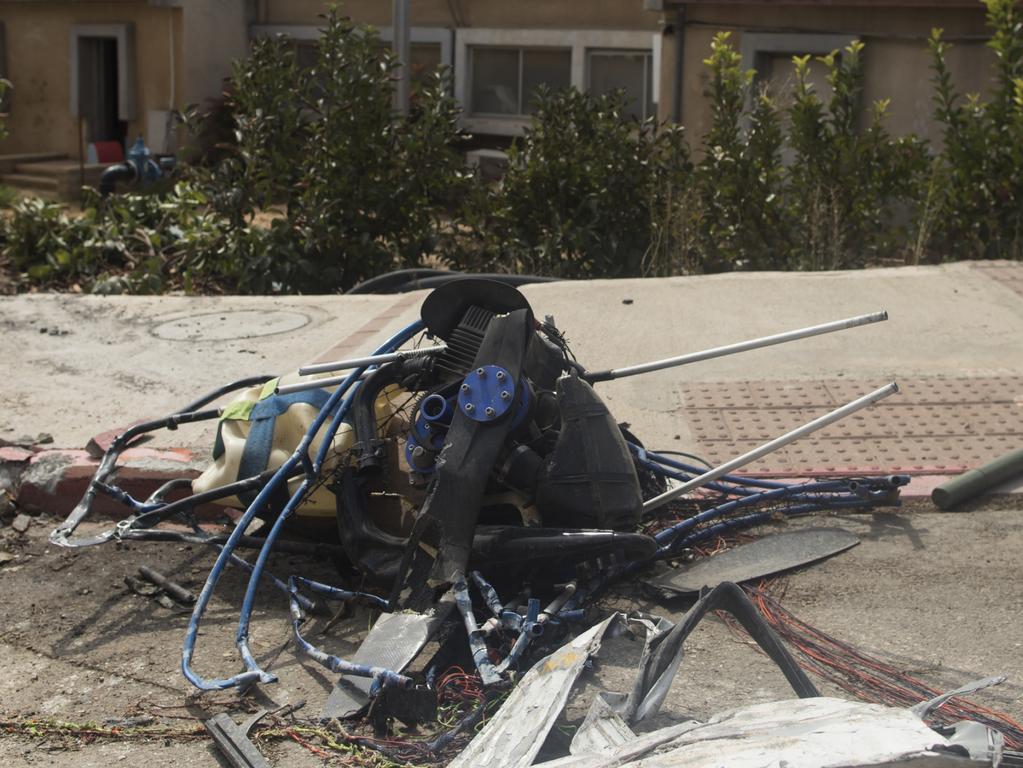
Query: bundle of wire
(868, 678)
(732, 503)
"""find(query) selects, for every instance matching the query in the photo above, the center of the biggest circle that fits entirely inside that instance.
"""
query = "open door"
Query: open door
(98, 89)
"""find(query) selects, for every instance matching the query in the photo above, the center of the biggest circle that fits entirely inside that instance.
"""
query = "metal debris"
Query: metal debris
(484, 496)
(513, 737)
(766, 556)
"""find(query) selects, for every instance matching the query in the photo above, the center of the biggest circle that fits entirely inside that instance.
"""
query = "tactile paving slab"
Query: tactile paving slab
(934, 425)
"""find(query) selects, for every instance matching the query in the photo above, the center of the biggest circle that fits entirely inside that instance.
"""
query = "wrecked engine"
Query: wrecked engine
(471, 450)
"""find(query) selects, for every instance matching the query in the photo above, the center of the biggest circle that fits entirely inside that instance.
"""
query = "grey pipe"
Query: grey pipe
(680, 35)
(976, 481)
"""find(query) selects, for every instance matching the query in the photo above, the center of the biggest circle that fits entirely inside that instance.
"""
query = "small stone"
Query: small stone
(21, 523)
(6, 557)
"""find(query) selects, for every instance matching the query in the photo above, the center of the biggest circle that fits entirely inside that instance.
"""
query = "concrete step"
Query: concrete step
(53, 167)
(31, 157)
(30, 181)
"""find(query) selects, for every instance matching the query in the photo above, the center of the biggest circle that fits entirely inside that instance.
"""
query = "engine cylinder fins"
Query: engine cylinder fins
(462, 303)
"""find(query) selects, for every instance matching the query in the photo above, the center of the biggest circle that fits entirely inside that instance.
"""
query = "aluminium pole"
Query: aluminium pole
(731, 349)
(770, 447)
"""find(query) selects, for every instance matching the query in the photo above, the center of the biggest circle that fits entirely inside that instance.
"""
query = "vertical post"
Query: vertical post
(81, 158)
(680, 36)
(401, 20)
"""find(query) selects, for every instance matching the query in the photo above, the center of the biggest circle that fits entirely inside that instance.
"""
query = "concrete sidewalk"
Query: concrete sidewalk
(84, 365)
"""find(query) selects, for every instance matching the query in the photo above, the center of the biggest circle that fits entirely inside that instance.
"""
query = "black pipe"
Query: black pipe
(370, 448)
(439, 280)
(404, 280)
(115, 173)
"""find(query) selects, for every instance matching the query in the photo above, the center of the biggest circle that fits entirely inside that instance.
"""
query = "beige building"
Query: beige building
(116, 69)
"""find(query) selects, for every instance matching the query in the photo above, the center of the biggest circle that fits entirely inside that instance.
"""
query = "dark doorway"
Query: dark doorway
(97, 89)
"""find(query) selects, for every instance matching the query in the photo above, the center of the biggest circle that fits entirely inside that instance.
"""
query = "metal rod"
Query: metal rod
(326, 381)
(742, 346)
(362, 362)
(770, 447)
(172, 588)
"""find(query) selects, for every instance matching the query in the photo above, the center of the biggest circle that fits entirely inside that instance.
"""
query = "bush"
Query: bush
(741, 220)
(124, 244)
(845, 183)
(360, 191)
(976, 200)
(582, 192)
(323, 185)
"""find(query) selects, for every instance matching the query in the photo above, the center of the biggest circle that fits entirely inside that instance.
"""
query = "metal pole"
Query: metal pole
(302, 386)
(680, 37)
(770, 447)
(401, 20)
(361, 362)
(731, 349)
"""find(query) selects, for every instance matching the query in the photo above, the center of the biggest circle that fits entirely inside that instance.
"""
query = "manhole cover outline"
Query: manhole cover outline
(201, 326)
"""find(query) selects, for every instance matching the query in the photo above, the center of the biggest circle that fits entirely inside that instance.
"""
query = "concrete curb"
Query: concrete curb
(53, 480)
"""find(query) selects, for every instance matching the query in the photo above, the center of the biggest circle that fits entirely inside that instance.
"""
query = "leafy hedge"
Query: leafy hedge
(321, 185)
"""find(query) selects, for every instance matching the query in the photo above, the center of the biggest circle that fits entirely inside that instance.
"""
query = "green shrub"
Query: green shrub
(741, 222)
(360, 190)
(123, 244)
(582, 190)
(978, 178)
(845, 184)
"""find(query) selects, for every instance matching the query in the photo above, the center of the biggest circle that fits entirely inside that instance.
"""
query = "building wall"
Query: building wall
(896, 58)
(187, 46)
(215, 33)
(184, 46)
(527, 14)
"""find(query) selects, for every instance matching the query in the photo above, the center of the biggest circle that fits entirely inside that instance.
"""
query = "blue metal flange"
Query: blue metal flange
(487, 393)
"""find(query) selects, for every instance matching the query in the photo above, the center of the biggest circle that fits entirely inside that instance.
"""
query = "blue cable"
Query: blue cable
(666, 537)
(300, 455)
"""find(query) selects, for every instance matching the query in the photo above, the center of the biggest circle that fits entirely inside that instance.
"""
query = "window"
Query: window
(770, 56)
(631, 71)
(498, 70)
(505, 79)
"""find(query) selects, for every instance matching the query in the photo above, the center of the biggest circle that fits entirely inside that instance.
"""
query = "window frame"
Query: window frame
(442, 36)
(124, 34)
(648, 74)
(522, 96)
(754, 45)
(579, 41)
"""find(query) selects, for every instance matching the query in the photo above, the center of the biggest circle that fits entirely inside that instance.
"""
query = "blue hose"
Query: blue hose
(300, 456)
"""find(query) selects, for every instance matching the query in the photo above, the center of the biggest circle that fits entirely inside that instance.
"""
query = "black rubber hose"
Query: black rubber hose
(389, 281)
(439, 280)
(369, 449)
(115, 173)
(405, 280)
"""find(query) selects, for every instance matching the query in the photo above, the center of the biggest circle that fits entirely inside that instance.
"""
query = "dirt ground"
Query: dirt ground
(932, 592)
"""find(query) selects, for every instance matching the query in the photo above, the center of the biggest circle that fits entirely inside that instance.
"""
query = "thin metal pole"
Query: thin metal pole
(770, 447)
(362, 362)
(326, 381)
(742, 346)
(403, 50)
